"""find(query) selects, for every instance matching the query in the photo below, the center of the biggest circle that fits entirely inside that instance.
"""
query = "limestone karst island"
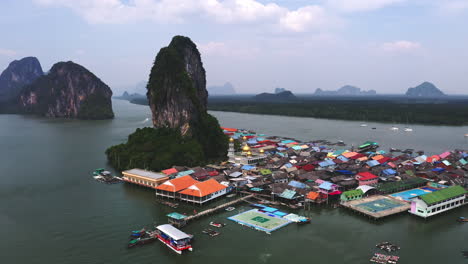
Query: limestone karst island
(233, 131)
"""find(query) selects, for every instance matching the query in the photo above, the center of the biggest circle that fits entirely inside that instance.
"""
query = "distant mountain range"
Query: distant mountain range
(425, 89)
(346, 90)
(275, 97)
(226, 89)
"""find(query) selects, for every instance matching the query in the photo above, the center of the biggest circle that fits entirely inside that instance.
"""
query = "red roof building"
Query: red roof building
(366, 178)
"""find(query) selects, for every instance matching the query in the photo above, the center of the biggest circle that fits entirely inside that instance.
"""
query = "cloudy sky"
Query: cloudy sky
(386, 45)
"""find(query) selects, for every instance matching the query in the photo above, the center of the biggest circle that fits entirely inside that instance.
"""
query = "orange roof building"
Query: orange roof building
(171, 187)
(312, 195)
(202, 192)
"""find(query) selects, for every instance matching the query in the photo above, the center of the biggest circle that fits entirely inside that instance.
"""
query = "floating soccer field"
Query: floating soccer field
(380, 205)
(260, 221)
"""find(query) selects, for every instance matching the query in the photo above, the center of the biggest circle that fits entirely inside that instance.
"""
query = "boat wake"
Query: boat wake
(146, 120)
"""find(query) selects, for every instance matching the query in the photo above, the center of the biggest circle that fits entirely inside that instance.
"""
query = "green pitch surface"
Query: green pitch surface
(260, 221)
(380, 205)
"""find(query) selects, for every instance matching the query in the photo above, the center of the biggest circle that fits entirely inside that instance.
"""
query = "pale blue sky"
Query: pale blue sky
(386, 45)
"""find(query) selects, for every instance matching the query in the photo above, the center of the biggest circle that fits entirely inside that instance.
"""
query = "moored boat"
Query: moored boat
(216, 224)
(229, 209)
(174, 238)
(462, 219)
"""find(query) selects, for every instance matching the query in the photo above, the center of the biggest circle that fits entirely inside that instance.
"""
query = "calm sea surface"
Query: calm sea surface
(52, 211)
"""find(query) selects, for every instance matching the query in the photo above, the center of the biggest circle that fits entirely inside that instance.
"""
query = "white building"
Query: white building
(430, 204)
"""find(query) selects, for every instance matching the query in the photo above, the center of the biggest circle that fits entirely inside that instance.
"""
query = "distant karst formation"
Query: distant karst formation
(226, 89)
(184, 133)
(275, 97)
(425, 89)
(68, 90)
(279, 90)
(18, 74)
(346, 90)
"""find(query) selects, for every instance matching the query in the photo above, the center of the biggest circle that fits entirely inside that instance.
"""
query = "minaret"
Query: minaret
(231, 150)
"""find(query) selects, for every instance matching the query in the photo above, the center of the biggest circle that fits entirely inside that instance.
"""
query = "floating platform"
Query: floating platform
(378, 206)
(266, 222)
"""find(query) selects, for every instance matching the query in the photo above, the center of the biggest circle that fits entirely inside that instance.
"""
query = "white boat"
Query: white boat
(407, 129)
(363, 125)
(174, 238)
(394, 128)
(466, 135)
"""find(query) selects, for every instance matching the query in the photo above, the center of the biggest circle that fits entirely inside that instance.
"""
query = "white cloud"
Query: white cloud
(361, 5)
(400, 46)
(453, 7)
(7, 52)
(304, 18)
(224, 49)
(178, 11)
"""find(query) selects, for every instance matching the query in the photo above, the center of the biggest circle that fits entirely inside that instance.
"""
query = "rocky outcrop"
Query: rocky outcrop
(346, 90)
(177, 86)
(426, 89)
(226, 89)
(18, 74)
(184, 133)
(68, 91)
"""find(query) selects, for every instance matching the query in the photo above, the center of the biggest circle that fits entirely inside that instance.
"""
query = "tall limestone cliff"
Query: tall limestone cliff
(18, 74)
(68, 91)
(177, 86)
(184, 133)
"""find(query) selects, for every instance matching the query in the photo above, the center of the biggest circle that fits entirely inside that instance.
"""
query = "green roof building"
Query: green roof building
(438, 201)
(351, 195)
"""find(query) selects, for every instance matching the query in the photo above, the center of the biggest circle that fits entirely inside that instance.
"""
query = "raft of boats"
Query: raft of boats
(384, 259)
(387, 246)
(101, 175)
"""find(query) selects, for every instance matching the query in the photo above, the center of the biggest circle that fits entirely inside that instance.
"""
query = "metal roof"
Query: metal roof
(173, 232)
(145, 173)
(444, 194)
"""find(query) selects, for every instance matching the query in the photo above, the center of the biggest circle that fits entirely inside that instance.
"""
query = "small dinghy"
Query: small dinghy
(216, 224)
(230, 208)
(462, 219)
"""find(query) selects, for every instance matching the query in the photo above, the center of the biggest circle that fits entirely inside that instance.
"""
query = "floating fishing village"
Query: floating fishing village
(276, 176)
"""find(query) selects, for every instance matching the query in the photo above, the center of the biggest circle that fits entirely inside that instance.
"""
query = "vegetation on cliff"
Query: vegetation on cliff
(184, 133)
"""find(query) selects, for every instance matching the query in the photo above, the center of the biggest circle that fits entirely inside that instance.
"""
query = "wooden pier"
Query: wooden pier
(184, 221)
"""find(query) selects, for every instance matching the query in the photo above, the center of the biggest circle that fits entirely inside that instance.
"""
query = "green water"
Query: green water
(52, 211)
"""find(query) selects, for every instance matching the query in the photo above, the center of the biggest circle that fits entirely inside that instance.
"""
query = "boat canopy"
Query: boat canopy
(172, 232)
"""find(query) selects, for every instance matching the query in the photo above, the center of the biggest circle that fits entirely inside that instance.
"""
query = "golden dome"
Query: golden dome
(231, 140)
(262, 151)
(244, 138)
(246, 148)
(249, 153)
